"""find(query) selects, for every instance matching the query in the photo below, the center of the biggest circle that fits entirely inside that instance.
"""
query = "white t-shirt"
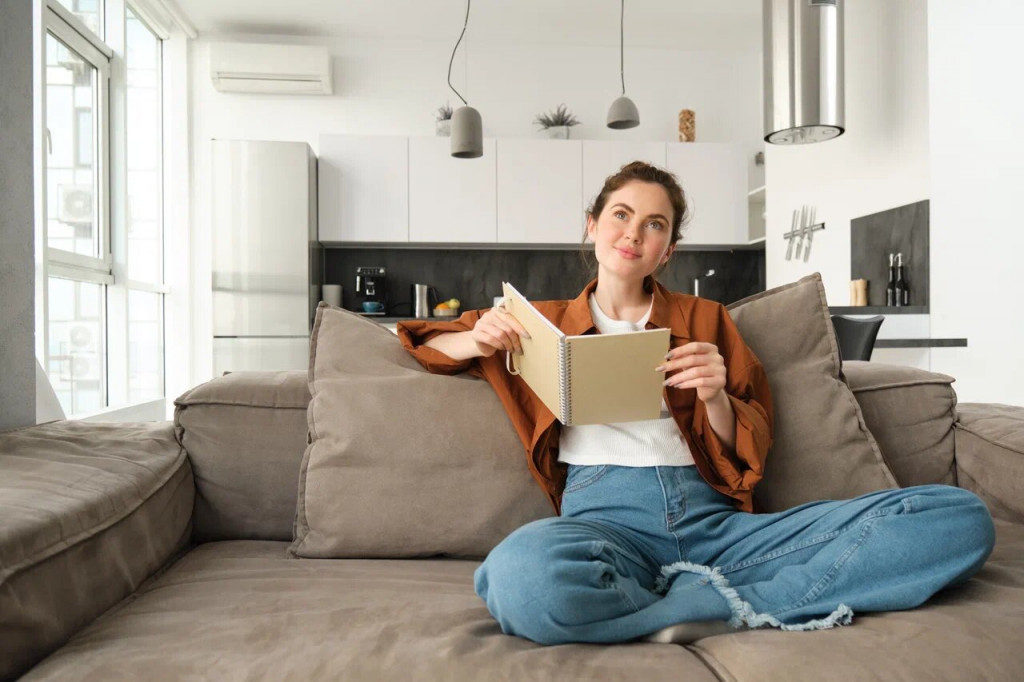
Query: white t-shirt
(652, 442)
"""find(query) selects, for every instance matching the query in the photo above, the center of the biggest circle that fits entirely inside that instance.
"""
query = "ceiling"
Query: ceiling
(675, 24)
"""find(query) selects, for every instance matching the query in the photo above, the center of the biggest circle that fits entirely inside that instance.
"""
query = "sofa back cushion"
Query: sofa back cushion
(822, 448)
(245, 434)
(401, 462)
(910, 412)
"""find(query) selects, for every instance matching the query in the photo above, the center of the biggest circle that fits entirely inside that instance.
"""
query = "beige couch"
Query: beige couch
(159, 551)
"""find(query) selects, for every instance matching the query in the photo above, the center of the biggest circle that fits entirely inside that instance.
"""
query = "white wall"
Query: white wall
(880, 162)
(977, 174)
(394, 87)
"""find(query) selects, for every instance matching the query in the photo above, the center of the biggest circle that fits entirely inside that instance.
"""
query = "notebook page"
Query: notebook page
(538, 365)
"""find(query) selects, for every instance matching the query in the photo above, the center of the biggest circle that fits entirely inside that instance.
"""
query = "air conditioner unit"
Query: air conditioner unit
(74, 204)
(274, 69)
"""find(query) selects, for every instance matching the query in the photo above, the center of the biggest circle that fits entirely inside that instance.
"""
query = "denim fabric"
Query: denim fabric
(638, 549)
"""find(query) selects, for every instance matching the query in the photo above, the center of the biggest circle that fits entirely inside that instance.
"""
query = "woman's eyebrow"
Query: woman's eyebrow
(629, 208)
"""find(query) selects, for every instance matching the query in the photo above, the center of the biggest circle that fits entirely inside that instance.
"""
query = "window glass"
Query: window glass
(88, 11)
(145, 346)
(71, 187)
(75, 356)
(145, 206)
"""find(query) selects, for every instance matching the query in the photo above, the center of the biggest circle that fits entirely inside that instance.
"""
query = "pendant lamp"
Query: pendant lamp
(467, 135)
(622, 113)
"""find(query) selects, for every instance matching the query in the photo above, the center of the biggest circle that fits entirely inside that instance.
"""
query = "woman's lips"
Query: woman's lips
(628, 255)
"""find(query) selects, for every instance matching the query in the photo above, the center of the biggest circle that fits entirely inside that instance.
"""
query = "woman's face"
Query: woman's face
(633, 234)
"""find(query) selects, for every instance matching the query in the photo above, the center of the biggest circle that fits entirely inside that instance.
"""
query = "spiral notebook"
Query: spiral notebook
(590, 379)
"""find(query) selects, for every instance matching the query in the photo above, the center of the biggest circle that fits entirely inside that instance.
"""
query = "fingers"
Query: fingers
(706, 376)
(696, 354)
(501, 331)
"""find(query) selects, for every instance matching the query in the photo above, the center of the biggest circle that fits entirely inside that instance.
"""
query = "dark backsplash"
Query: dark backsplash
(475, 276)
(903, 229)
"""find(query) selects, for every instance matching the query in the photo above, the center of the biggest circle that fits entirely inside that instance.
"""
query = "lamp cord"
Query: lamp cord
(622, 18)
(450, 61)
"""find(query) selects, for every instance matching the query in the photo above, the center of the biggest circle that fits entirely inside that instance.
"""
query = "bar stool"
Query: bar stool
(856, 336)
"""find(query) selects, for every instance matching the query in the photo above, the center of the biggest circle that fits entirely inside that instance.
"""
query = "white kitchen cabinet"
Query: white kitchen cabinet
(540, 187)
(602, 158)
(451, 200)
(714, 179)
(363, 188)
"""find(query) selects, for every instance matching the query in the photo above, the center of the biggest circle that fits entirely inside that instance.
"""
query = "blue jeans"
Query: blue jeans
(638, 549)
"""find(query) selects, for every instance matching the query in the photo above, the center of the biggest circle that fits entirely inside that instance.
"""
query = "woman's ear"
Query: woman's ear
(671, 249)
(591, 227)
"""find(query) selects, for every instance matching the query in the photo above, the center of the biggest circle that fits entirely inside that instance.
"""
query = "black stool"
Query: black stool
(856, 336)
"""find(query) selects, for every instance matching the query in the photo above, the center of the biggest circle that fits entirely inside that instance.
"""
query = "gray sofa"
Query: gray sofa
(159, 551)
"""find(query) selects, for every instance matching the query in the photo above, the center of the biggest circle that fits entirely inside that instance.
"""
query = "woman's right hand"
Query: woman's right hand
(498, 330)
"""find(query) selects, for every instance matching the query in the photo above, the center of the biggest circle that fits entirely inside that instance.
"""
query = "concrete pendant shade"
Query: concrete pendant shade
(467, 133)
(623, 114)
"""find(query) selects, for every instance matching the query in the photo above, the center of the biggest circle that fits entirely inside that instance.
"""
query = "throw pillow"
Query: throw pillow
(822, 448)
(401, 462)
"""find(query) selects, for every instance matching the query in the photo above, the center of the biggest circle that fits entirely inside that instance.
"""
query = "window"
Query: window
(145, 234)
(102, 329)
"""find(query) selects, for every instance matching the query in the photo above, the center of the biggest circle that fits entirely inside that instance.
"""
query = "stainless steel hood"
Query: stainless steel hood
(803, 71)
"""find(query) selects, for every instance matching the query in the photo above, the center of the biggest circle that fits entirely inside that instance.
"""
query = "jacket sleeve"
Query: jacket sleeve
(747, 388)
(414, 333)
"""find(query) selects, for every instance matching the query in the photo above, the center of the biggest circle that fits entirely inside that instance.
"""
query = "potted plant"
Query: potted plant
(557, 123)
(443, 125)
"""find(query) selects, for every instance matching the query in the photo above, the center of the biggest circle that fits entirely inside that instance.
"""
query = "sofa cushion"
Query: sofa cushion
(972, 631)
(910, 412)
(88, 511)
(245, 434)
(990, 456)
(822, 448)
(402, 462)
(242, 610)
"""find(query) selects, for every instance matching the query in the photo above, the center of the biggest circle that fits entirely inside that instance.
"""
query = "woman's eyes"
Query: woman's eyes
(621, 215)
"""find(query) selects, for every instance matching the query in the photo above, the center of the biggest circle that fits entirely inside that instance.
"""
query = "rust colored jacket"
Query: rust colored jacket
(732, 472)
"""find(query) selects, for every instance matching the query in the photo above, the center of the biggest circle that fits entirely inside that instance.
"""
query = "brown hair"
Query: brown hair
(643, 172)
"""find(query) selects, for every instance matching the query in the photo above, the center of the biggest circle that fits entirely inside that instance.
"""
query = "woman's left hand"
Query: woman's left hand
(697, 365)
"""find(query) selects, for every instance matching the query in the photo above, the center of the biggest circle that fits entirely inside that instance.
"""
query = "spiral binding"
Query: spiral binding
(564, 380)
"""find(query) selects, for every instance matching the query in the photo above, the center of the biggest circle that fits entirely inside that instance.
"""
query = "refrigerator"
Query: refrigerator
(267, 262)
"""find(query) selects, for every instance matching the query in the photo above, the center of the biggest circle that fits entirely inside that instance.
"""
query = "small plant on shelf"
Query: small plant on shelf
(443, 124)
(557, 122)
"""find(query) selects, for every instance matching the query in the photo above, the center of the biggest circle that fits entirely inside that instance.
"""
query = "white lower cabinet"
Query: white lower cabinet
(540, 187)
(714, 180)
(451, 200)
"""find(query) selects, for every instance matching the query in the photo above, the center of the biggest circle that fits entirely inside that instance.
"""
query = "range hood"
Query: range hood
(803, 71)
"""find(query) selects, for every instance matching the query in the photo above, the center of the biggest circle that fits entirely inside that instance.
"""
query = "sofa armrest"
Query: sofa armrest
(990, 456)
(245, 434)
(910, 412)
(88, 511)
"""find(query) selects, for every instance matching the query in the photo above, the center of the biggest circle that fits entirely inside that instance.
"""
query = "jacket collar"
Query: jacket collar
(665, 313)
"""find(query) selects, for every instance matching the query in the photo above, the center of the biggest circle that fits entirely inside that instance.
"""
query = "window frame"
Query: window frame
(110, 268)
(69, 29)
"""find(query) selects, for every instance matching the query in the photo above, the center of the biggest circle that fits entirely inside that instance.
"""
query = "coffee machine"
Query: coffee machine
(371, 288)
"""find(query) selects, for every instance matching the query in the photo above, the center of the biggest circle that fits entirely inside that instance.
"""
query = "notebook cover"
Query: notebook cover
(610, 377)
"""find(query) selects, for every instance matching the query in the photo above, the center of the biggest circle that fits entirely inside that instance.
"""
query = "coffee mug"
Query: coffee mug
(372, 306)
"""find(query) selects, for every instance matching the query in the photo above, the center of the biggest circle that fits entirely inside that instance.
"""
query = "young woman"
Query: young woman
(655, 537)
